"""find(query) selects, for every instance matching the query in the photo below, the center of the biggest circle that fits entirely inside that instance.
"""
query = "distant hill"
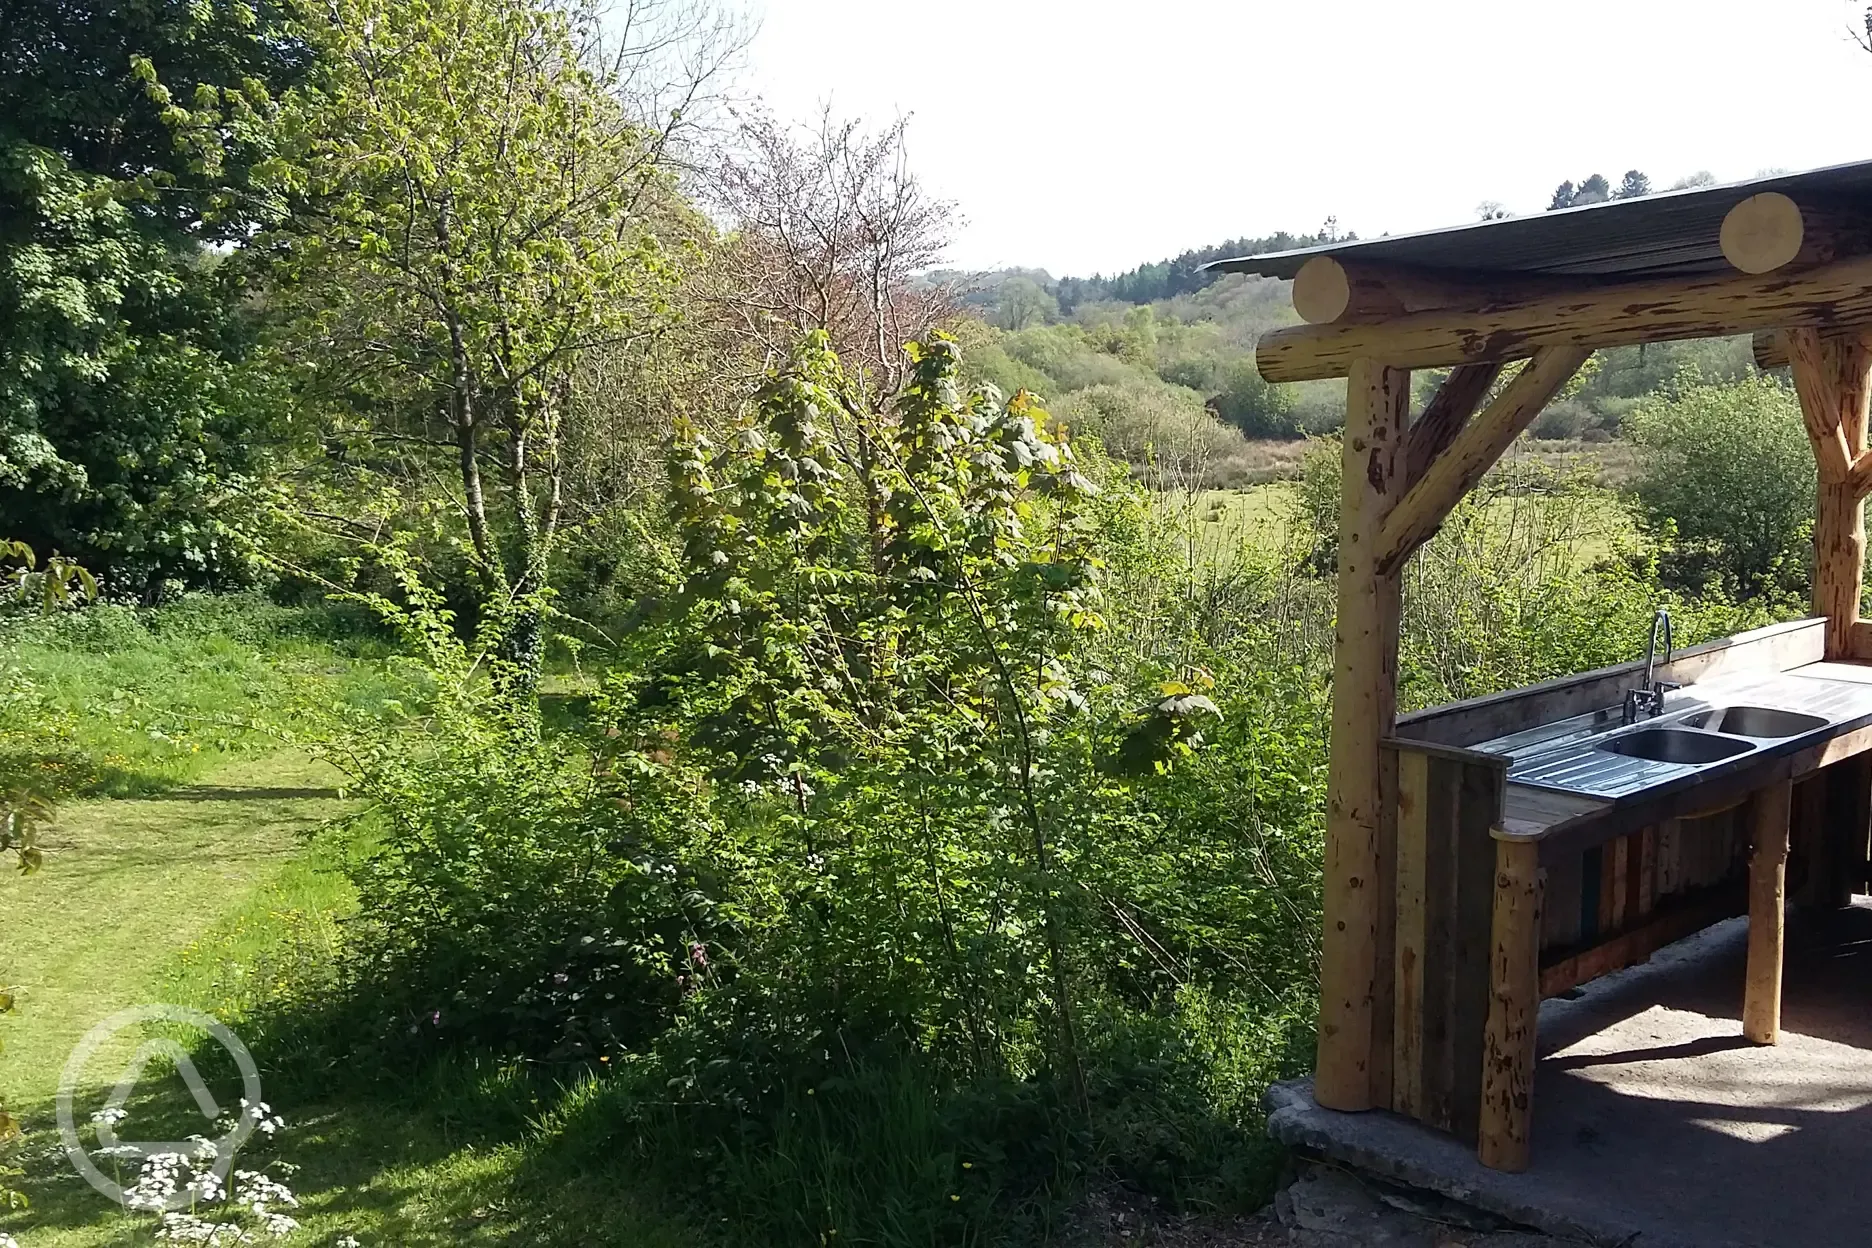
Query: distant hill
(1147, 283)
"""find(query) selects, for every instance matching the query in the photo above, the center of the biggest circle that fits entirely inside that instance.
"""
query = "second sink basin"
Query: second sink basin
(1673, 745)
(1756, 721)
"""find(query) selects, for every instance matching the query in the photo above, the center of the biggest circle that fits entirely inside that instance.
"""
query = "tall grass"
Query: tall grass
(114, 701)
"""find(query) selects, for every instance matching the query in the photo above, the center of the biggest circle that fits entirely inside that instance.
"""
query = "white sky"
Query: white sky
(1094, 136)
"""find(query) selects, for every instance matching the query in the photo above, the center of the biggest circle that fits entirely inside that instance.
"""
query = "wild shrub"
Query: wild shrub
(1531, 576)
(874, 648)
(521, 893)
(1725, 484)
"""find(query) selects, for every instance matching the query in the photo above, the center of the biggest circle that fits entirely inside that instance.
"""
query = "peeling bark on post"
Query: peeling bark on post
(1506, 1141)
(1364, 709)
(1839, 563)
(1831, 378)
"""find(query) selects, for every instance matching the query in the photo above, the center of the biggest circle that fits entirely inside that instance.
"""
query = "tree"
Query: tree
(130, 140)
(830, 230)
(1596, 190)
(1726, 481)
(481, 214)
(1020, 302)
(1633, 185)
(1258, 408)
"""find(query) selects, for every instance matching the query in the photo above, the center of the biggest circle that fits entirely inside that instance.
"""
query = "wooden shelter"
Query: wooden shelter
(1455, 898)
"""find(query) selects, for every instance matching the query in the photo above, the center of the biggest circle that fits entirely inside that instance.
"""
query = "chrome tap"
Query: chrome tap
(1647, 700)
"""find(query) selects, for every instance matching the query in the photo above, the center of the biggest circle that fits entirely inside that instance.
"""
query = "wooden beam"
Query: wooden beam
(1769, 349)
(1329, 289)
(1768, 852)
(1769, 346)
(1445, 414)
(1762, 233)
(1364, 708)
(1472, 452)
(1506, 1136)
(1593, 316)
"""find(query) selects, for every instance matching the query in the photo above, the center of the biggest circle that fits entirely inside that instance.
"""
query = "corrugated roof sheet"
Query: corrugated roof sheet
(1665, 233)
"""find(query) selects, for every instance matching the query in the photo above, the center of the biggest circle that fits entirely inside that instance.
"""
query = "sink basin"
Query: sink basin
(1756, 721)
(1673, 745)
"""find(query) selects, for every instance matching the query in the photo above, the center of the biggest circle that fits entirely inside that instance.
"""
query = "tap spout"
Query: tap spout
(1659, 621)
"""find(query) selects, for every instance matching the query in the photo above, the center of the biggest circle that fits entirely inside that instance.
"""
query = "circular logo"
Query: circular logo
(223, 1145)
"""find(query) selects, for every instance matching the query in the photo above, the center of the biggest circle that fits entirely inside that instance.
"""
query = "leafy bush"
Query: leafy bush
(1256, 407)
(521, 893)
(1726, 483)
(1166, 432)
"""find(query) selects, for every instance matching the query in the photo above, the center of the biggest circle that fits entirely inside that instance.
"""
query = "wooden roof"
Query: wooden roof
(1667, 233)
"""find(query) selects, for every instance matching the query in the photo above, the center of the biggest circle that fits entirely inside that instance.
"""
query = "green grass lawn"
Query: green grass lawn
(197, 860)
(220, 895)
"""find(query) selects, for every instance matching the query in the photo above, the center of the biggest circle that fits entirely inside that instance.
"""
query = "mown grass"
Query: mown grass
(197, 861)
(114, 702)
(228, 896)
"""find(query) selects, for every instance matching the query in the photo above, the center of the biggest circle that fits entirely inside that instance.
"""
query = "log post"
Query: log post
(1839, 563)
(1768, 852)
(1506, 1136)
(1831, 376)
(1364, 710)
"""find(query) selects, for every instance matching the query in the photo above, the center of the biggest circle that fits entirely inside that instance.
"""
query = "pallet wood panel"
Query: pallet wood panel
(1384, 984)
(1641, 891)
(1447, 808)
(1848, 814)
(1413, 772)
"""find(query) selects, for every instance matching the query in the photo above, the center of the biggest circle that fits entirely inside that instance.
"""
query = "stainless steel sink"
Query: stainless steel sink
(1756, 721)
(1762, 715)
(1674, 745)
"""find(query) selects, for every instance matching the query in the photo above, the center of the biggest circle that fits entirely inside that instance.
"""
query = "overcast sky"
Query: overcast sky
(1095, 135)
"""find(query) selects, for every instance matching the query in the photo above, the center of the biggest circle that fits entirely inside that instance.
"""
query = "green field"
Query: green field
(218, 895)
(1581, 527)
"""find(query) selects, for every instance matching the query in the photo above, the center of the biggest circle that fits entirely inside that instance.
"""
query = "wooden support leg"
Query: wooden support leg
(1364, 709)
(1514, 1009)
(1768, 839)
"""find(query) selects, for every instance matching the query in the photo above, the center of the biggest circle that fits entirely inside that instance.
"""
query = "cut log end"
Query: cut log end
(1763, 233)
(1322, 291)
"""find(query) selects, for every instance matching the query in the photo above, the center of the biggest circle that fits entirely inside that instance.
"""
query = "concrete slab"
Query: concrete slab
(1655, 1124)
